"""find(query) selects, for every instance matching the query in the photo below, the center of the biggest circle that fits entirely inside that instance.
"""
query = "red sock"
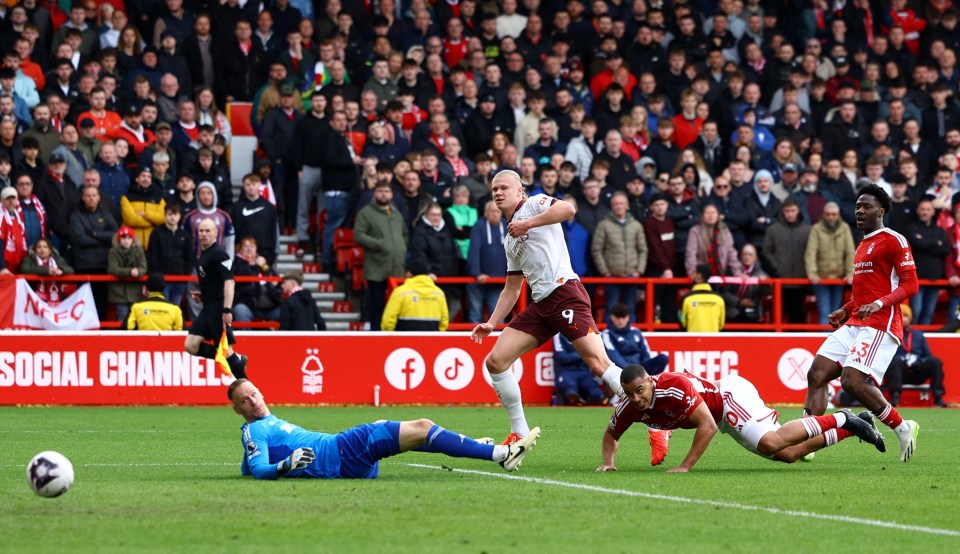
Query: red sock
(817, 425)
(889, 416)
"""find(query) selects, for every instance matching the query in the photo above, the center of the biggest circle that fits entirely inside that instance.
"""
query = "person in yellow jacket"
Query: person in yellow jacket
(143, 205)
(703, 310)
(155, 313)
(418, 304)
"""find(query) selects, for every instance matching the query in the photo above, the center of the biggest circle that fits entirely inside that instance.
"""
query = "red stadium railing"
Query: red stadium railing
(646, 320)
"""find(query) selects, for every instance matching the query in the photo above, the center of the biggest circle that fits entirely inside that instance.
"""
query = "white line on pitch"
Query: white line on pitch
(703, 502)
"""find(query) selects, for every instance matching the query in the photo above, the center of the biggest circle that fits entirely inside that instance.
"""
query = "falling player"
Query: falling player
(536, 250)
(732, 406)
(869, 327)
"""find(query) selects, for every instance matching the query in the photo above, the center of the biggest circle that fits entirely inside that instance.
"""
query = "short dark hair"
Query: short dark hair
(628, 375)
(704, 271)
(879, 194)
(620, 310)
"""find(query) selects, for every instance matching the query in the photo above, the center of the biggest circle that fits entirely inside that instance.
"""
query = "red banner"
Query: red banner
(363, 368)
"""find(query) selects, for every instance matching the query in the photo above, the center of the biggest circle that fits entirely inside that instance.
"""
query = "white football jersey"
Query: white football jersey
(541, 254)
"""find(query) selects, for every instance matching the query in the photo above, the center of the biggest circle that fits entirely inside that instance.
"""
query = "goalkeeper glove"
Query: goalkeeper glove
(301, 458)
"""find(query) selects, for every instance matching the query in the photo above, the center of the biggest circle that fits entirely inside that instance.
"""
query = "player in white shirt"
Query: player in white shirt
(537, 251)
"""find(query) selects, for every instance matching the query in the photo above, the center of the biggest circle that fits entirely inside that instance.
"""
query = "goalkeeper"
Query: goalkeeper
(276, 448)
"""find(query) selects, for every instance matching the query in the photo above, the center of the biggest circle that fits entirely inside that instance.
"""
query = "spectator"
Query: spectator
(626, 345)
(43, 259)
(914, 364)
(584, 148)
(432, 243)
(418, 304)
(277, 137)
(486, 258)
(339, 162)
(661, 240)
(930, 246)
(829, 255)
(171, 252)
(60, 197)
(255, 217)
(13, 233)
(298, 311)
(125, 259)
(382, 232)
(703, 310)
(142, 207)
(257, 299)
(578, 241)
(744, 299)
(155, 313)
(684, 209)
(47, 136)
(31, 210)
(575, 383)
(76, 162)
(306, 160)
(710, 242)
(114, 180)
(619, 249)
(784, 245)
(238, 65)
(762, 208)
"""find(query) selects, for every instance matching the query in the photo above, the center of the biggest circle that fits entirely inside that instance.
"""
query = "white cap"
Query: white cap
(8, 192)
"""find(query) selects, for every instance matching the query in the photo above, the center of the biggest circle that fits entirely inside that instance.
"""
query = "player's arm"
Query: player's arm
(558, 212)
(508, 298)
(907, 287)
(706, 429)
(611, 442)
(258, 460)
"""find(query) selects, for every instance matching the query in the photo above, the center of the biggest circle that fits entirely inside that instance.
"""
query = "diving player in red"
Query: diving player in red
(731, 406)
(869, 328)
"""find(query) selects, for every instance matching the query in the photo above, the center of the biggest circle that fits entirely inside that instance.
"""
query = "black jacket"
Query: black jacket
(299, 312)
(171, 252)
(91, 234)
(755, 230)
(436, 248)
(339, 171)
(256, 295)
(277, 133)
(930, 246)
(257, 219)
(60, 200)
(307, 134)
(239, 75)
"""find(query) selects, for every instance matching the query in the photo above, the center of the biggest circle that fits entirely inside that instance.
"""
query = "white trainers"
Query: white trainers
(908, 438)
(519, 449)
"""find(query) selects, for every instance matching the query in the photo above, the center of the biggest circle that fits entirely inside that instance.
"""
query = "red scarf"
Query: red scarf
(14, 235)
(48, 290)
(41, 214)
(439, 141)
(712, 251)
(459, 167)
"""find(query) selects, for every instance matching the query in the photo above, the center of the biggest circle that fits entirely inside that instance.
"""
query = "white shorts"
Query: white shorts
(746, 417)
(865, 349)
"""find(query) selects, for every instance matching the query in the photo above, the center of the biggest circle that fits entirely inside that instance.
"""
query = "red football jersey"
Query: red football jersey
(883, 269)
(675, 397)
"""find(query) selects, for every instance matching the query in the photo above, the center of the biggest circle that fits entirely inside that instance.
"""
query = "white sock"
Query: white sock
(612, 378)
(500, 452)
(508, 391)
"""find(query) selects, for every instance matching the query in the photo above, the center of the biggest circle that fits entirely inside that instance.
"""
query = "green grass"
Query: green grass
(167, 480)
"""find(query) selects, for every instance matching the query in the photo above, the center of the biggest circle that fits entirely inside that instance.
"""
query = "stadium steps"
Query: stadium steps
(331, 302)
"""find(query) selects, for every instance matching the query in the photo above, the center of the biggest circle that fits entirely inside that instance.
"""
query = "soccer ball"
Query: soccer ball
(50, 474)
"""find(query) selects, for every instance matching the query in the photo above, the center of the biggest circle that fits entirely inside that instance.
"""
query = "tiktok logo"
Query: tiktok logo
(404, 369)
(453, 369)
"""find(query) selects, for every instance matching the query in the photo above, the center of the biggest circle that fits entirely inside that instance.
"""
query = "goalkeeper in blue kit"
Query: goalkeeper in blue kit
(276, 448)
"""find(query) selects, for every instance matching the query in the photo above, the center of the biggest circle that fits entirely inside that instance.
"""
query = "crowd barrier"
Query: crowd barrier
(367, 368)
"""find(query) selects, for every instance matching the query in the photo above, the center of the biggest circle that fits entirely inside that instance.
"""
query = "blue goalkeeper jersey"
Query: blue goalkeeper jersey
(268, 441)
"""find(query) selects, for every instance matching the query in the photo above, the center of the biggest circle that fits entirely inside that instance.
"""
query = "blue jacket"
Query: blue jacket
(918, 347)
(114, 181)
(565, 356)
(486, 255)
(578, 244)
(628, 346)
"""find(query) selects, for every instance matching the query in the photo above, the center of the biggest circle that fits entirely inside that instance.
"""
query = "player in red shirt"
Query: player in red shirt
(731, 406)
(869, 327)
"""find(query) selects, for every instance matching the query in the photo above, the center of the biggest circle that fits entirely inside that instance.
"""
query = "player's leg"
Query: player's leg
(510, 345)
(872, 352)
(815, 433)
(424, 435)
(826, 367)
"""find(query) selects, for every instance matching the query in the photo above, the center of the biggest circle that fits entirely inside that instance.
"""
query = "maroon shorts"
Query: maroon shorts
(566, 311)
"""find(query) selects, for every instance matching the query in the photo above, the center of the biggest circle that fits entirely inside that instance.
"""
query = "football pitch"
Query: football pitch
(168, 480)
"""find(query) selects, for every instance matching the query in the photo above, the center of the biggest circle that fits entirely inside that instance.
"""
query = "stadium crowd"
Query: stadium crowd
(727, 134)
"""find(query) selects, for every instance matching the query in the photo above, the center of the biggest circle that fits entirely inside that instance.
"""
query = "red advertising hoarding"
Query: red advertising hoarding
(362, 368)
